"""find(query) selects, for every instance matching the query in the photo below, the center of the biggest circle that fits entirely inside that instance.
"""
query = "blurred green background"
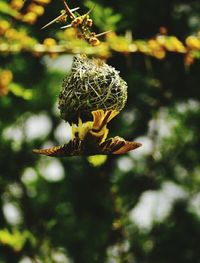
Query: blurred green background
(141, 207)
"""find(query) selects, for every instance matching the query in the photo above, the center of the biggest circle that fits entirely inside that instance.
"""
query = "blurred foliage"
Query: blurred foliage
(16, 240)
(139, 207)
(104, 17)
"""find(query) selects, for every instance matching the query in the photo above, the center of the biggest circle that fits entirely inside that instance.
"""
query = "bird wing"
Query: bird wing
(74, 147)
(118, 145)
(101, 118)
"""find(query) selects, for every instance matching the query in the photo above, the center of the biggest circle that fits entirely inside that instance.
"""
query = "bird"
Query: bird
(90, 138)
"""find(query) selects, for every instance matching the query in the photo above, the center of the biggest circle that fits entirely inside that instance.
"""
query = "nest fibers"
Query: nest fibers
(91, 85)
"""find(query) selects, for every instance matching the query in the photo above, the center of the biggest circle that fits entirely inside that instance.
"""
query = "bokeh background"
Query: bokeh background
(141, 207)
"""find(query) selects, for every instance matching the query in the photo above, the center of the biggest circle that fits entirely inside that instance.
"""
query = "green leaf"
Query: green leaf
(6, 9)
(19, 91)
(16, 239)
(104, 17)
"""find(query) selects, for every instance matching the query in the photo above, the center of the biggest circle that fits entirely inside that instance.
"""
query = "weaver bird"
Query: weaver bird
(89, 138)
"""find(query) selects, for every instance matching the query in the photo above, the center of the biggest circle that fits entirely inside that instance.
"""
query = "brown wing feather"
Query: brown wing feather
(128, 146)
(72, 148)
(118, 145)
(54, 151)
(111, 145)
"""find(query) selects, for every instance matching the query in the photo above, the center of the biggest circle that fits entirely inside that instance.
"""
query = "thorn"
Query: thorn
(103, 33)
(90, 10)
(54, 20)
(67, 26)
(68, 11)
(58, 17)
(74, 9)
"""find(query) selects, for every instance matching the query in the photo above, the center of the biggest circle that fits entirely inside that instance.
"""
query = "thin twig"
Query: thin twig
(68, 11)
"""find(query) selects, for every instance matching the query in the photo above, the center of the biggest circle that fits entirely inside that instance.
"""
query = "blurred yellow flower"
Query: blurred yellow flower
(37, 9)
(193, 42)
(49, 42)
(17, 4)
(172, 44)
(189, 59)
(11, 34)
(43, 2)
(4, 26)
(156, 50)
(6, 77)
(118, 43)
(30, 18)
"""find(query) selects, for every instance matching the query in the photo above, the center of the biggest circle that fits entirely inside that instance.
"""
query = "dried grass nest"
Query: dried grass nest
(91, 85)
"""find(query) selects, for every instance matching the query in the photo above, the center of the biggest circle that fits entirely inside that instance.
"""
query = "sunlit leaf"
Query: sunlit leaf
(19, 91)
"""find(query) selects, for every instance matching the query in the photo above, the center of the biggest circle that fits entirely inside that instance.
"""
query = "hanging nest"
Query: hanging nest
(91, 85)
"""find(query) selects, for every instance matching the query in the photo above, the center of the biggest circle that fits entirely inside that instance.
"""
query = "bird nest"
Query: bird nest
(91, 85)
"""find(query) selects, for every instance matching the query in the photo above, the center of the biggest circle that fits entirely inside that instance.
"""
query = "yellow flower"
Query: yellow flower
(11, 34)
(49, 42)
(17, 4)
(5, 79)
(159, 54)
(4, 26)
(37, 9)
(43, 2)
(189, 59)
(118, 43)
(174, 45)
(94, 41)
(193, 42)
(30, 18)
(156, 49)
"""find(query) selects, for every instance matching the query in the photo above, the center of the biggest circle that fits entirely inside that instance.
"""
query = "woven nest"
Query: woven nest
(91, 85)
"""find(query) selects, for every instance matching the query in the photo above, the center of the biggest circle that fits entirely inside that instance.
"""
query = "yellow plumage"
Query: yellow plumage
(89, 138)
(96, 128)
